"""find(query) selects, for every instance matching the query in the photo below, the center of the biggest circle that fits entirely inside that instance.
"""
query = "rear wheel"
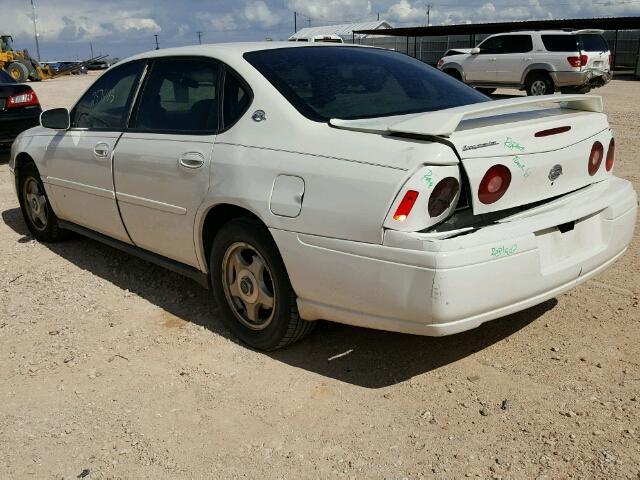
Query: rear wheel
(252, 288)
(35, 206)
(18, 71)
(539, 83)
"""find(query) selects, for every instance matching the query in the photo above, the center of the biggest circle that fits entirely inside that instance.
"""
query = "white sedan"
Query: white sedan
(352, 184)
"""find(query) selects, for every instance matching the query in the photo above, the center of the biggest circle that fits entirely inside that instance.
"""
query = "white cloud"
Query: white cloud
(332, 10)
(259, 13)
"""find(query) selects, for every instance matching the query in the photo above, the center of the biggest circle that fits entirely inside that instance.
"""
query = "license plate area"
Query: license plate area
(565, 246)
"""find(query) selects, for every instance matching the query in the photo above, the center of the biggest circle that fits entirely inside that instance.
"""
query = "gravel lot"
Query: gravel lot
(113, 366)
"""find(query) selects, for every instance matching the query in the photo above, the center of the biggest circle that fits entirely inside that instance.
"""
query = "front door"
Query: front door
(481, 67)
(79, 160)
(162, 162)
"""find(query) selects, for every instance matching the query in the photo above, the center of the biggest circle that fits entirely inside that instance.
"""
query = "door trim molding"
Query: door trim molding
(148, 203)
(81, 187)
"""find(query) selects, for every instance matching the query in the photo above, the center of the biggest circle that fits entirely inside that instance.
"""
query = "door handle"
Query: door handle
(101, 150)
(191, 160)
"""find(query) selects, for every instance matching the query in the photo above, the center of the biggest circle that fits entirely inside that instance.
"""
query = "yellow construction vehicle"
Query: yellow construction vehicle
(19, 64)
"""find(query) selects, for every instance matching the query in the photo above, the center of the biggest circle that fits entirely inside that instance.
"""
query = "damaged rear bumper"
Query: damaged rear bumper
(418, 283)
(585, 78)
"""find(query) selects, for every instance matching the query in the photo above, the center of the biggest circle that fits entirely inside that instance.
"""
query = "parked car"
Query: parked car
(319, 39)
(343, 183)
(98, 65)
(19, 108)
(540, 62)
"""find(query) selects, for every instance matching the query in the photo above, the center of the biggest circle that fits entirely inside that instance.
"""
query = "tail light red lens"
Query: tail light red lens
(407, 203)
(25, 99)
(611, 155)
(595, 158)
(440, 63)
(494, 184)
(580, 61)
(442, 196)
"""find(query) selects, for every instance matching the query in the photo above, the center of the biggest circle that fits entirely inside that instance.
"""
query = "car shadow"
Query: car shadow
(5, 155)
(359, 356)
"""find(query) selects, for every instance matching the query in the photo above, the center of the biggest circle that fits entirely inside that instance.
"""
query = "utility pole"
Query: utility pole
(295, 22)
(309, 21)
(157, 45)
(429, 14)
(378, 16)
(199, 37)
(35, 28)
(91, 47)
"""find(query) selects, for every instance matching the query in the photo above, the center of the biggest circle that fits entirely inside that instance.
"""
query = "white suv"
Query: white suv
(539, 62)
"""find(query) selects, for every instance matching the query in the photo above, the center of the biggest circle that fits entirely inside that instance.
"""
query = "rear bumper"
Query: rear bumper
(13, 124)
(591, 78)
(418, 284)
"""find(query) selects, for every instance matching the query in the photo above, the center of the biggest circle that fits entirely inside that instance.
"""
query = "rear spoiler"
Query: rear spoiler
(444, 122)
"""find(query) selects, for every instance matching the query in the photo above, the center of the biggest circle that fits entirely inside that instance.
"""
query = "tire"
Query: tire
(18, 71)
(486, 91)
(452, 72)
(539, 83)
(252, 289)
(35, 206)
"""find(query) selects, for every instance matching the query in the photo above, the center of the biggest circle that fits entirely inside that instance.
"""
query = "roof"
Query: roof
(607, 23)
(227, 50)
(343, 30)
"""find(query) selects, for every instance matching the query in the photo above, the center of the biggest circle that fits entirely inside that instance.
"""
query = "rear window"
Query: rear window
(6, 78)
(593, 43)
(353, 82)
(560, 43)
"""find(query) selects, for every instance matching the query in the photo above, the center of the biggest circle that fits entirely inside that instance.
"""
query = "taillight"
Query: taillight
(611, 155)
(25, 99)
(494, 184)
(440, 63)
(407, 203)
(580, 61)
(610, 60)
(442, 196)
(595, 158)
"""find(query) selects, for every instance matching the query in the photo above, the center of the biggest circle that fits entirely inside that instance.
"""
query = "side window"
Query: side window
(492, 45)
(180, 96)
(518, 44)
(560, 43)
(236, 99)
(106, 104)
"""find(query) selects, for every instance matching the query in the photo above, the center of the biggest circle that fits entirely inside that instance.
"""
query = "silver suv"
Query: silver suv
(540, 62)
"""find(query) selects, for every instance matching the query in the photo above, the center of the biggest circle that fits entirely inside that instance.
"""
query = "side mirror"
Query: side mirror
(475, 51)
(56, 118)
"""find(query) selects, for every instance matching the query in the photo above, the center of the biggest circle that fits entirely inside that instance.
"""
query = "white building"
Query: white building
(344, 31)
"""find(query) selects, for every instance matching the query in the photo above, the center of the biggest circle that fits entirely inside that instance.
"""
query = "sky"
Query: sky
(120, 28)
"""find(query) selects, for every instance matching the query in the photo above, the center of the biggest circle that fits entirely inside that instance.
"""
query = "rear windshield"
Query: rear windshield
(353, 82)
(6, 78)
(575, 43)
(593, 43)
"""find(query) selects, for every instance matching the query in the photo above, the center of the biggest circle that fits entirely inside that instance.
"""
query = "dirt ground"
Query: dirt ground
(115, 368)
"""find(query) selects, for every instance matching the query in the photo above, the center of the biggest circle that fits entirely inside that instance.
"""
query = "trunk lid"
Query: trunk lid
(545, 142)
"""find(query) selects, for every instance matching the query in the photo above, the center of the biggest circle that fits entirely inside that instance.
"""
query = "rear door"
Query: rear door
(597, 50)
(162, 162)
(79, 159)
(515, 54)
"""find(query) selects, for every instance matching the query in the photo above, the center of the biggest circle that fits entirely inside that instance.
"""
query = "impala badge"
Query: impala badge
(555, 172)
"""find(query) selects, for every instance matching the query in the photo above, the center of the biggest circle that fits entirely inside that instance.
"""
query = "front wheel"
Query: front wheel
(35, 206)
(252, 288)
(539, 83)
